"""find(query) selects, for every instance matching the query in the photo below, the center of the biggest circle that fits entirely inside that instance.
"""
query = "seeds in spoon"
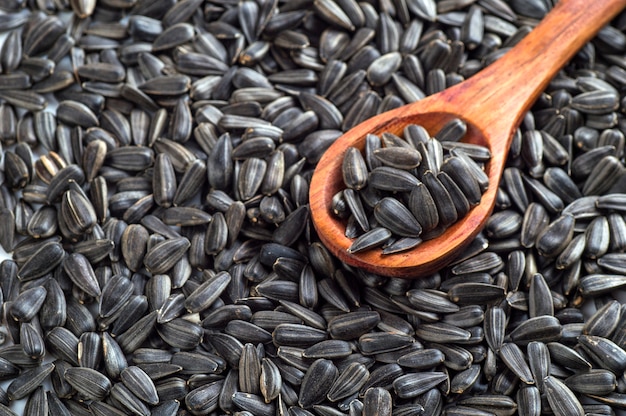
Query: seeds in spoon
(414, 184)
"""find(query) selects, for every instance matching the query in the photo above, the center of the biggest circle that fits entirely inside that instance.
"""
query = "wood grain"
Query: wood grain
(492, 103)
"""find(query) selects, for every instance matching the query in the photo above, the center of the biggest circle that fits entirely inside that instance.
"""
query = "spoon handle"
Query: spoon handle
(510, 85)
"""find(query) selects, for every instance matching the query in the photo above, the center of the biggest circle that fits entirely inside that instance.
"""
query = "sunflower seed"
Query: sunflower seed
(561, 399)
(411, 385)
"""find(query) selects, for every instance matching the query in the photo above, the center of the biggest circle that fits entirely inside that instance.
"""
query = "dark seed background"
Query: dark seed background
(155, 162)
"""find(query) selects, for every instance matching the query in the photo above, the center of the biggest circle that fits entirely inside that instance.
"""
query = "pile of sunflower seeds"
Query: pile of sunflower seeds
(406, 190)
(154, 201)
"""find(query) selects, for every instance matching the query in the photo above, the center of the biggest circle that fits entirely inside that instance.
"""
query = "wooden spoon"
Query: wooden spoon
(492, 103)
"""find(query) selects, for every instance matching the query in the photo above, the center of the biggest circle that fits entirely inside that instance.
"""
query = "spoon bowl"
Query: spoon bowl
(430, 255)
(492, 103)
